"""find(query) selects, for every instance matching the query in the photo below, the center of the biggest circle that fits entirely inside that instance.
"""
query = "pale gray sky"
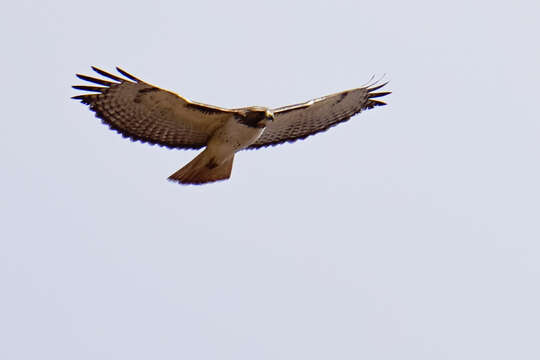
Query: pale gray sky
(410, 232)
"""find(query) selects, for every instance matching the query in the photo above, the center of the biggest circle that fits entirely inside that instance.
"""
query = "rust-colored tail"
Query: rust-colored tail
(203, 169)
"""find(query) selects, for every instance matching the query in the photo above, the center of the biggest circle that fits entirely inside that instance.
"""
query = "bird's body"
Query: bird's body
(147, 113)
(215, 162)
(234, 136)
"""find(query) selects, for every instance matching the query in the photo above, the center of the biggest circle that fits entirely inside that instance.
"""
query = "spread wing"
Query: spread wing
(299, 121)
(146, 113)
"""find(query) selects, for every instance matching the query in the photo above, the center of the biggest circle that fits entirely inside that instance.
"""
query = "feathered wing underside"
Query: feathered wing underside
(299, 121)
(147, 113)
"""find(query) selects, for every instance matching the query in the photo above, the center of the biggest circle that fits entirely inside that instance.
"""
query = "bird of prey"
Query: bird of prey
(146, 113)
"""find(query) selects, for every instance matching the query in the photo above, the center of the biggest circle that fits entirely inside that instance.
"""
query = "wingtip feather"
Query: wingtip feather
(374, 88)
(128, 75)
(89, 88)
(373, 103)
(106, 74)
(380, 94)
(94, 80)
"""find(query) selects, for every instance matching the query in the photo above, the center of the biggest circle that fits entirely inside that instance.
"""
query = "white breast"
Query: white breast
(237, 135)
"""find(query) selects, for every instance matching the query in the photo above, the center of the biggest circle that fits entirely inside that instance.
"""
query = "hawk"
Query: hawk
(143, 112)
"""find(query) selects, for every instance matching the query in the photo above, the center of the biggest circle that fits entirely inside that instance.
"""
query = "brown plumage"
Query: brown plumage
(146, 113)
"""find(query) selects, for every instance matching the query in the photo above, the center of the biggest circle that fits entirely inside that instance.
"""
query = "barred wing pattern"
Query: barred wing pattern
(143, 112)
(295, 122)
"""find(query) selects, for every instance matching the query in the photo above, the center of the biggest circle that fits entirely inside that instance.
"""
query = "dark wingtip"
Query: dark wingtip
(85, 99)
(373, 103)
(94, 80)
(374, 95)
(106, 74)
(89, 88)
(128, 75)
(370, 89)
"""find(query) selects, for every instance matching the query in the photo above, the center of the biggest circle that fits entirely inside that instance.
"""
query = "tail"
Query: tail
(203, 169)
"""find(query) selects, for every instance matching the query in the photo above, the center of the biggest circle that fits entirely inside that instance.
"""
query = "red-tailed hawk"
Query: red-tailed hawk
(146, 113)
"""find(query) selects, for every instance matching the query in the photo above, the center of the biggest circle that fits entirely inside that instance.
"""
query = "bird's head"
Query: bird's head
(256, 116)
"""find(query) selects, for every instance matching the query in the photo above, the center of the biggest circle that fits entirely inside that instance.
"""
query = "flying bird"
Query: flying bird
(146, 113)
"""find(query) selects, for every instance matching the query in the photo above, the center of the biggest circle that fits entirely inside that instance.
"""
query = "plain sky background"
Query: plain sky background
(410, 232)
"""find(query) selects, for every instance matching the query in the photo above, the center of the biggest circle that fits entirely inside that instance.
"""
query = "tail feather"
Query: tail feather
(203, 169)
